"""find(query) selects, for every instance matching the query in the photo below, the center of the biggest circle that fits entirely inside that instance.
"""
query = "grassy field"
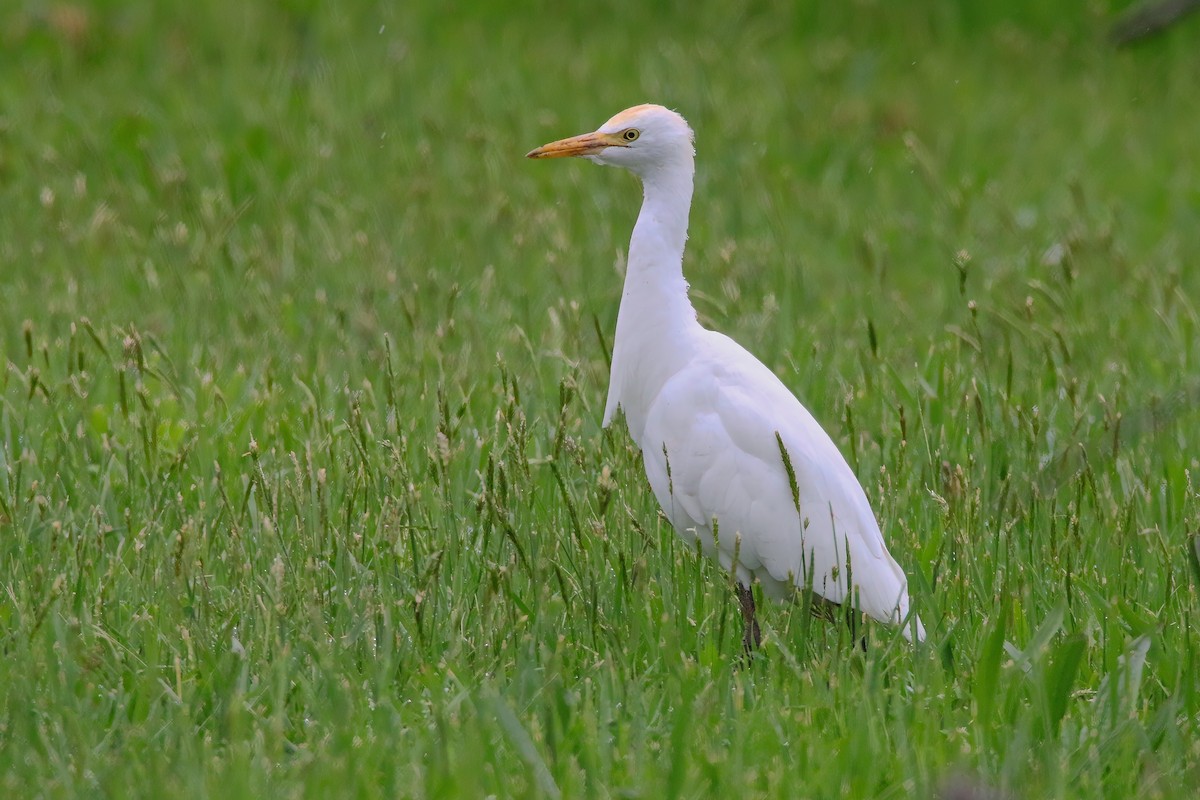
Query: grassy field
(302, 485)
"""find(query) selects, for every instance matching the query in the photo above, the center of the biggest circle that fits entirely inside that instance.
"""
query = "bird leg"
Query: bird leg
(853, 620)
(751, 636)
(829, 610)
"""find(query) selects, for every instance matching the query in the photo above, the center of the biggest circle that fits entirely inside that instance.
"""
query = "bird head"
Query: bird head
(640, 139)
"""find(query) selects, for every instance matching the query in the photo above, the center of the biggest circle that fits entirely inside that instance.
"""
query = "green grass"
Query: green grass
(302, 486)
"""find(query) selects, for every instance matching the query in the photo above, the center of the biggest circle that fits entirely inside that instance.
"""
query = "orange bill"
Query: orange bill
(582, 145)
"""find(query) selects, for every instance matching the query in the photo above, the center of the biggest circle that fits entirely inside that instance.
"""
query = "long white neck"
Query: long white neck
(656, 318)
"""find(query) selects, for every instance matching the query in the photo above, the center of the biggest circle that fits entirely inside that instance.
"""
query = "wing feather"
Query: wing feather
(711, 448)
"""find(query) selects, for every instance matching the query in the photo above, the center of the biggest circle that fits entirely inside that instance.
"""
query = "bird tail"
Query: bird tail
(907, 619)
(908, 624)
(887, 600)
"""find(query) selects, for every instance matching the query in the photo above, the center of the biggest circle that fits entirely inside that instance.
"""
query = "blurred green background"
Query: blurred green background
(302, 486)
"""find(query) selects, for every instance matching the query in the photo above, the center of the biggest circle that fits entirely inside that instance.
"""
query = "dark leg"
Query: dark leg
(853, 619)
(751, 636)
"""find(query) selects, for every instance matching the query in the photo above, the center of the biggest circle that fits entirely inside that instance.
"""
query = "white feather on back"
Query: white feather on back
(713, 429)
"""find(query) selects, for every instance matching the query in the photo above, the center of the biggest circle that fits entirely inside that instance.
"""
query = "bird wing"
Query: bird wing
(712, 448)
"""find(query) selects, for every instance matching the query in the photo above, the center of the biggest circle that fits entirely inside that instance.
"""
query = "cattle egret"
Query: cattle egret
(737, 463)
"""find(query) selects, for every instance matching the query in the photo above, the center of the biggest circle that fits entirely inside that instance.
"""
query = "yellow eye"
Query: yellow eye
(631, 135)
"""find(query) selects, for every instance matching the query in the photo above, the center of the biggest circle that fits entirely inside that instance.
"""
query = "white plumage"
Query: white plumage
(713, 422)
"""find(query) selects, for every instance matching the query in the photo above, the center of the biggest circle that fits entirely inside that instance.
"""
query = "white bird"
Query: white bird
(736, 462)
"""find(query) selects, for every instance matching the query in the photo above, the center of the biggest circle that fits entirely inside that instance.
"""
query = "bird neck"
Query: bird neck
(656, 323)
(654, 283)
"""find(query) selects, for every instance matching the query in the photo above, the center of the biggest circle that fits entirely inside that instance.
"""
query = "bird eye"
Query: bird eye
(631, 135)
